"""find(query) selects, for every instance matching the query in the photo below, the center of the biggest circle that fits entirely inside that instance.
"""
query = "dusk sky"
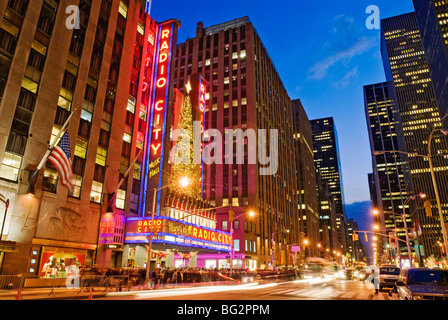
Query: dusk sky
(324, 54)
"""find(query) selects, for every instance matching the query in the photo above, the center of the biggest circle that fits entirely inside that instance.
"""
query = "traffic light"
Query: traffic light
(427, 205)
(355, 237)
(365, 237)
(231, 215)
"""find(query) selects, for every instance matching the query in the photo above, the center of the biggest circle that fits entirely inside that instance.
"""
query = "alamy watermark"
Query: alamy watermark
(72, 21)
(373, 20)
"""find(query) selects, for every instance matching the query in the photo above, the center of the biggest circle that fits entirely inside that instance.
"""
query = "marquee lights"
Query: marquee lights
(136, 227)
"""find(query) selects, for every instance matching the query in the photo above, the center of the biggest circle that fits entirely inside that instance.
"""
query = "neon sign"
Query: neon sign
(159, 95)
(160, 90)
(166, 226)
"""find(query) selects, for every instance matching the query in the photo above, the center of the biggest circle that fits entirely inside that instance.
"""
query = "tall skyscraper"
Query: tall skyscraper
(245, 92)
(432, 22)
(406, 67)
(306, 176)
(384, 126)
(327, 161)
(327, 216)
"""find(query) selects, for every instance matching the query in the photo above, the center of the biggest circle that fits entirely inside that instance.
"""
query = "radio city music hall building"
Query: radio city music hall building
(112, 77)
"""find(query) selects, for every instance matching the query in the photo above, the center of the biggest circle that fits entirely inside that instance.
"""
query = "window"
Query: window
(236, 244)
(235, 202)
(29, 84)
(97, 189)
(50, 179)
(10, 166)
(131, 104)
(137, 170)
(77, 181)
(123, 9)
(101, 155)
(120, 199)
(127, 137)
(224, 225)
(124, 164)
(65, 99)
(81, 147)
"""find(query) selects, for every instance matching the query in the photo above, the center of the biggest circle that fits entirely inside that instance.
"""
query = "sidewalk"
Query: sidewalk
(64, 293)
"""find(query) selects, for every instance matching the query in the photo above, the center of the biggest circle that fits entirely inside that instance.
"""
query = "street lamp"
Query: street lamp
(183, 182)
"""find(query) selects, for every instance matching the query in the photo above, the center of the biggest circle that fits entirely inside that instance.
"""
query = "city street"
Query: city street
(325, 289)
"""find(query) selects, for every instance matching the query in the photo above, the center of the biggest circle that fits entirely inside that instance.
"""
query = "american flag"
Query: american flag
(60, 158)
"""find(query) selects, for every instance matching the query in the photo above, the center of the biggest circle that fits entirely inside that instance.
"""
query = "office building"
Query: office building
(389, 187)
(327, 161)
(306, 177)
(431, 18)
(327, 216)
(245, 93)
(406, 67)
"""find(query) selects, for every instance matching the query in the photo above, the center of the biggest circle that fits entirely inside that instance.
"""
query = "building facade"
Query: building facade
(245, 92)
(327, 161)
(306, 178)
(431, 19)
(98, 75)
(406, 67)
(384, 126)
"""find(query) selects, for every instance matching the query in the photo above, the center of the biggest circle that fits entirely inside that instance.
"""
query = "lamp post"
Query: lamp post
(272, 243)
(231, 220)
(434, 182)
(6, 201)
(183, 182)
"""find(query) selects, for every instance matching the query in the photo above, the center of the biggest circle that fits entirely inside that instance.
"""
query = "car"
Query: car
(388, 275)
(422, 284)
(362, 275)
(349, 273)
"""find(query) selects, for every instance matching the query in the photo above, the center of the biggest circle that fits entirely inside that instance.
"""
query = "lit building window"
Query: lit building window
(95, 193)
(10, 166)
(101, 154)
(50, 179)
(123, 9)
(77, 182)
(120, 199)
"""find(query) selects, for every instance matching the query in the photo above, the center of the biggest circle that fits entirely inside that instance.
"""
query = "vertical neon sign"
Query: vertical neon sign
(201, 100)
(159, 105)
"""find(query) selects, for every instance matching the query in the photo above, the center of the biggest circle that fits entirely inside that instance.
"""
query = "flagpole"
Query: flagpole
(127, 171)
(51, 147)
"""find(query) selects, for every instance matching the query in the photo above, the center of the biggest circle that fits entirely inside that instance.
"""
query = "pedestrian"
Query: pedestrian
(375, 280)
(175, 274)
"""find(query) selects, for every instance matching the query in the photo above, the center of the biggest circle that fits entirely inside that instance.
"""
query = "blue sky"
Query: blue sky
(324, 54)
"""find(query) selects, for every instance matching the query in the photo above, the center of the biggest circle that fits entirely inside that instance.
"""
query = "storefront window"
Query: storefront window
(55, 262)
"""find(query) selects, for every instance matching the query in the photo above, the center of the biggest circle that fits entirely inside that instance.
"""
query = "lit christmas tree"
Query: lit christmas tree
(183, 165)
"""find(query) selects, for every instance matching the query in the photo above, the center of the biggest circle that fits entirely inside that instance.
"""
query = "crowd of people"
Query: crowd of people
(162, 276)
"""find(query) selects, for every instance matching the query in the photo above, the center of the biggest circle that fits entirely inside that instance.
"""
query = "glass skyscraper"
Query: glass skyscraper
(327, 161)
(406, 67)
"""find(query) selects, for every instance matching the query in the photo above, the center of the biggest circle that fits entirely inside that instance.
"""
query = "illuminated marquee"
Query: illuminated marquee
(165, 228)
